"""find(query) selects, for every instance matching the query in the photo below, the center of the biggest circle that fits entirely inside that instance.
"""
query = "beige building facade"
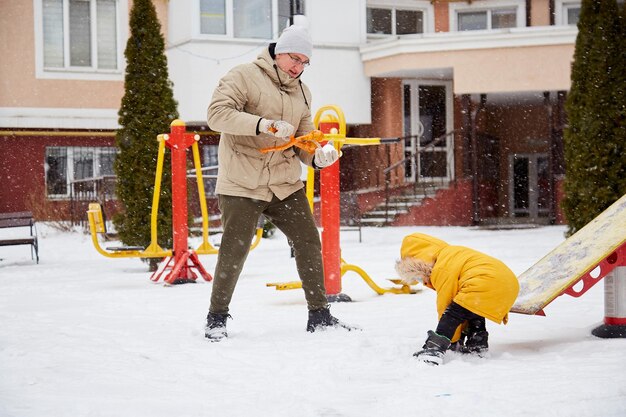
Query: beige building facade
(474, 92)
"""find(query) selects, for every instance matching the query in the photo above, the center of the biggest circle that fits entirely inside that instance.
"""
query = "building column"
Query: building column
(465, 133)
(551, 156)
(474, 160)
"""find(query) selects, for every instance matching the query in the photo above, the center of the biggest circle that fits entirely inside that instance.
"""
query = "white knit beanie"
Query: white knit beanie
(295, 39)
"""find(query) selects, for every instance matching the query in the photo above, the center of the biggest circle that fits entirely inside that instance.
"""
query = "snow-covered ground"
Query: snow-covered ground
(84, 335)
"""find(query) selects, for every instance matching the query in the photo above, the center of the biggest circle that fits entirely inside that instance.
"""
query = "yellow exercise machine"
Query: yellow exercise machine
(178, 140)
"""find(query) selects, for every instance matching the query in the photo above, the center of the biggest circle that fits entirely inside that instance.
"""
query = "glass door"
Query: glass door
(529, 186)
(427, 119)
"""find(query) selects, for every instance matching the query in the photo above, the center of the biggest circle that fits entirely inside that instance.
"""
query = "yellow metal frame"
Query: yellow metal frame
(96, 225)
(206, 248)
(339, 139)
(403, 289)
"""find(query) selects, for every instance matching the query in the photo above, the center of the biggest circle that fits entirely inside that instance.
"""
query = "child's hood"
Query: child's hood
(421, 246)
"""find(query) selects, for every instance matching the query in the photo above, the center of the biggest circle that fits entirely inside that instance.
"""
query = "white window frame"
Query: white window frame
(560, 11)
(70, 175)
(426, 7)
(81, 73)
(488, 6)
(230, 23)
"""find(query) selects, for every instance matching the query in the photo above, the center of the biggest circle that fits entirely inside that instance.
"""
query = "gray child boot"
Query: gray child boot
(434, 349)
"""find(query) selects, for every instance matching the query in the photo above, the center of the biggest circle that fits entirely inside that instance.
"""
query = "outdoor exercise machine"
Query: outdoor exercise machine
(596, 251)
(181, 260)
(331, 124)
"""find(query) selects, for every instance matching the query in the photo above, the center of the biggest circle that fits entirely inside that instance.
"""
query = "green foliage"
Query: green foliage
(147, 109)
(268, 229)
(595, 140)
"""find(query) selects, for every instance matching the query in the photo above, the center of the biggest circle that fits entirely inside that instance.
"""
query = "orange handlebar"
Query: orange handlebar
(309, 142)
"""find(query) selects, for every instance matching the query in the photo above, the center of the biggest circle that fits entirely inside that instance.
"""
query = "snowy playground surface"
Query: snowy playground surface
(84, 335)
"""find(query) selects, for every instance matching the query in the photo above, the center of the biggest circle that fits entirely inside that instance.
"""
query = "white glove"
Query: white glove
(325, 156)
(278, 128)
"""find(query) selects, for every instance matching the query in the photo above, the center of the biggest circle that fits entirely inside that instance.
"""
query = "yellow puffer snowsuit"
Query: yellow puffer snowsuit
(478, 282)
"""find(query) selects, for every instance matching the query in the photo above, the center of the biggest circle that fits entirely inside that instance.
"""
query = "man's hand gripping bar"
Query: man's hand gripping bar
(309, 142)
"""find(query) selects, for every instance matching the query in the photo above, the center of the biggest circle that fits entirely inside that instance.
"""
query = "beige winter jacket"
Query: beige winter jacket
(245, 94)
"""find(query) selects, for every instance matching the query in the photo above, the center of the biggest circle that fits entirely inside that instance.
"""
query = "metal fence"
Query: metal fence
(86, 190)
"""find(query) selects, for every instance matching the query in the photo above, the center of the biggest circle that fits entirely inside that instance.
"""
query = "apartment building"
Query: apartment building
(473, 90)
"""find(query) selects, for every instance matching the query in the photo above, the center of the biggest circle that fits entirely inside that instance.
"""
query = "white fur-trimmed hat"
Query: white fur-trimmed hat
(295, 39)
(413, 271)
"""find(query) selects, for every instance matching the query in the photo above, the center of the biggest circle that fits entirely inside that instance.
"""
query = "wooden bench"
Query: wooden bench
(21, 219)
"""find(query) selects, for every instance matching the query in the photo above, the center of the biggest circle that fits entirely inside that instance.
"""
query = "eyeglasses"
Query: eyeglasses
(298, 61)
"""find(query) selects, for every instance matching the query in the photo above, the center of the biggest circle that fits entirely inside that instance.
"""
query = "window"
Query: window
(213, 17)
(56, 171)
(66, 166)
(567, 12)
(483, 15)
(209, 161)
(487, 19)
(252, 19)
(392, 21)
(472, 21)
(80, 34)
(572, 15)
(209, 155)
(529, 185)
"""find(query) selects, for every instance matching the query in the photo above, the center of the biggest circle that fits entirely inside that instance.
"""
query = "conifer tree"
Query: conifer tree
(620, 91)
(594, 146)
(147, 109)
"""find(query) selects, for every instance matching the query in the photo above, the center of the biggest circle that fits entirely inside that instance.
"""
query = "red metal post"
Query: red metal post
(330, 219)
(614, 325)
(178, 141)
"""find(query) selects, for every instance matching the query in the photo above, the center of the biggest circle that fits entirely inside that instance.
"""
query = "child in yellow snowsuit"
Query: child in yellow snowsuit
(470, 285)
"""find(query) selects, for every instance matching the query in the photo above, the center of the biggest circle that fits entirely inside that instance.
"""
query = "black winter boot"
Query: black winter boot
(215, 329)
(433, 350)
(458, 347)
(478, 342)
(322, 319)
(477, 337)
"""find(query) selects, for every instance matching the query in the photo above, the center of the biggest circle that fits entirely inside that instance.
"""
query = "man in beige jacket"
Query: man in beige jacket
(259, 105)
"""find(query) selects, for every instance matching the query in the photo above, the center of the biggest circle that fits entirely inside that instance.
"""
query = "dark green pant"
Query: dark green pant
(294, 218)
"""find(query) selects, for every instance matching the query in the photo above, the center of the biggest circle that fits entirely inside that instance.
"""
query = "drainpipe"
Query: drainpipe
(474, 141)
(296, 13)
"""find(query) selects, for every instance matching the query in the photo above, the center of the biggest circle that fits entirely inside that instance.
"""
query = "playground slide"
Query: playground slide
(588, 255)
